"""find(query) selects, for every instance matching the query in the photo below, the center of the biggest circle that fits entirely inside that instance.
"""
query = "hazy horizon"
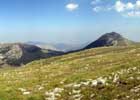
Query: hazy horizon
(67, 21)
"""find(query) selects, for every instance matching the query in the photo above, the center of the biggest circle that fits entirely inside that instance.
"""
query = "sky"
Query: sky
(67, 21)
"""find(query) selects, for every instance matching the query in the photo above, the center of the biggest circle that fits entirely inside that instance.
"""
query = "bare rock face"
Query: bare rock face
(16, 54)
(110, 39)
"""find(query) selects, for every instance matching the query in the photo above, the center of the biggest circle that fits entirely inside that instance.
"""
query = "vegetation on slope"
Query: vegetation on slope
(108, 73)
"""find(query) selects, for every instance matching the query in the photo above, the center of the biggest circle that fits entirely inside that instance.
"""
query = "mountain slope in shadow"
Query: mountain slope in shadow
(17, 53)
(110, 39)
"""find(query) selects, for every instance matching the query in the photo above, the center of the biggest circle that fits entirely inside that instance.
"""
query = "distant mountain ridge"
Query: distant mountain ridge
(42, 45)
(57, 46)
(22, 53)
(18, 53)
(110, 39)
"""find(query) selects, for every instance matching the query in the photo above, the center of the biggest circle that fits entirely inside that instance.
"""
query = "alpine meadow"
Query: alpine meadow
(70, 50)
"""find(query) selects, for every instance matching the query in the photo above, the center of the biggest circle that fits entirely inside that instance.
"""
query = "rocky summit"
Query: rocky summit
(17, 53)
(110, 39)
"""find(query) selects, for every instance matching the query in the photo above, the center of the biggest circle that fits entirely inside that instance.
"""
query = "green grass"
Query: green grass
(40, 77)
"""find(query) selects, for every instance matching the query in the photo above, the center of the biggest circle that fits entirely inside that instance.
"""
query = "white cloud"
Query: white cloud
(133, 14)
(97, 9)
(128, 9)
(119, 6)
(130, 6)
(98, 6)
(94, 2)
(72, 6)
(101, 8)
(138, 4)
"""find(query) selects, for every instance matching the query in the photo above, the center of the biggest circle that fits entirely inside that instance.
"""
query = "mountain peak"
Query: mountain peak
(16, 54)
(113, 34)
(110, 39)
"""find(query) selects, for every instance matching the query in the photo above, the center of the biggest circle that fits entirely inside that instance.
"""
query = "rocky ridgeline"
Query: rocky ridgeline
(110, 39)
(17, 54)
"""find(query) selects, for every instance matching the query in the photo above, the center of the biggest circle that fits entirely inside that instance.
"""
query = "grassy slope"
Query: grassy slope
(66, 76)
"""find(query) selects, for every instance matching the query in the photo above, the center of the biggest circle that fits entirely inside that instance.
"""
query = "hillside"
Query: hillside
(16, 54)
(64, 47)
(108, 73)
(110, 39)
(43, 45)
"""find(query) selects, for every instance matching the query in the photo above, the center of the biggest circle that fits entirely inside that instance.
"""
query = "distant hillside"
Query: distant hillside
(17, 53)
(69, 47)
(58, 46)
(43, 45)
(110, 39)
